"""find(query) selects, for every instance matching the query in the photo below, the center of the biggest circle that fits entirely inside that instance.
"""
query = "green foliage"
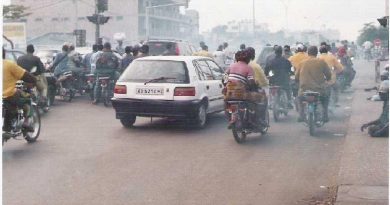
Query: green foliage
(15, 12)
(370, 32)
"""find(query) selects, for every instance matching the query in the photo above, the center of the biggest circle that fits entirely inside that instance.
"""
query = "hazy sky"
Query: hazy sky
(346, 15)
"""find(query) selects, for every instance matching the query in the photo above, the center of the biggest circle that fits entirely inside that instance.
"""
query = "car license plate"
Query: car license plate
(150, 91)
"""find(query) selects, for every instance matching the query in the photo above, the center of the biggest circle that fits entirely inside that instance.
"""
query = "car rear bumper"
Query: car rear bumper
(154, 108)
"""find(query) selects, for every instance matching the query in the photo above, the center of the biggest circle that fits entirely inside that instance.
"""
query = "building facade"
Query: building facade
(126, 16)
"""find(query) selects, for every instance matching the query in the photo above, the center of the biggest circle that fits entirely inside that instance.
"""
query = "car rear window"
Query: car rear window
(161, 48)
(146, 70)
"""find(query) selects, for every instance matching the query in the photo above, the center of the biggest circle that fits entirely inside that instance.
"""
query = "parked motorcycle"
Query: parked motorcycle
(242, 116)
(278, 102)
(17, 118)
(313, 111)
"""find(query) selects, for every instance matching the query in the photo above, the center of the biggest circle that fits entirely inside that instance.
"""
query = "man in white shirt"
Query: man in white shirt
(220, 57)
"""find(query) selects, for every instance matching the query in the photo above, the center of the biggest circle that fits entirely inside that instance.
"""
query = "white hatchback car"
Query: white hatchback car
(184, 87)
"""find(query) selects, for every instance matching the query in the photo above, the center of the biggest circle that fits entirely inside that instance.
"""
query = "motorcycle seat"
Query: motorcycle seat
(104, 78)
(311, 93)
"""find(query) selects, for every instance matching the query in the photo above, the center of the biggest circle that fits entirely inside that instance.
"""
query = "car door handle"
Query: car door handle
(207, 87)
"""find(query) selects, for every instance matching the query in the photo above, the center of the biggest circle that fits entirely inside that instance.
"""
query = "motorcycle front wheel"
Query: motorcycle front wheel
(312, 123)
(35, 121)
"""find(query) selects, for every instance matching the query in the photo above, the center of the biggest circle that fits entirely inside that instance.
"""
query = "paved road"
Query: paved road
(85, 156)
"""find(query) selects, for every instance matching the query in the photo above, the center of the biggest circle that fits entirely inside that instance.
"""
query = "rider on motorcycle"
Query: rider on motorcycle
(30, 61)
(60, 63)
(312, 76)
(107, 64)
(241, 82)
(335, 67)
(281, 68)
(345, 60)
(296, 61)
(11, 74)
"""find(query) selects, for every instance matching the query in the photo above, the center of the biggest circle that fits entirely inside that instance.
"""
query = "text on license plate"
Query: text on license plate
(150, 91)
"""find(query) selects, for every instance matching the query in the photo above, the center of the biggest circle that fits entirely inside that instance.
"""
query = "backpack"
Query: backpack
(107, 60)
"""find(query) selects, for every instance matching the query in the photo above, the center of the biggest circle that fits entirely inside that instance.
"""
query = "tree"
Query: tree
(370, 32)
(15, 12)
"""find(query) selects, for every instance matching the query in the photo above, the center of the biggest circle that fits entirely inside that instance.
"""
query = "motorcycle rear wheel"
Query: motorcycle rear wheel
(265, 128)
(276, 109)
(35, 121)
(106, 97)
(239, 135)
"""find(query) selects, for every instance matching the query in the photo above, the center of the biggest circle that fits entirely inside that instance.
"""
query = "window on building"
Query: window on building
(65, 19)
(119, 18)
(81, 18)
(54, 19)
(38, 19)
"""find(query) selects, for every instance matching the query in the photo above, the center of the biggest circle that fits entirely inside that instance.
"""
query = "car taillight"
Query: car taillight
(188, 91)
(120, 89)
(177, 51)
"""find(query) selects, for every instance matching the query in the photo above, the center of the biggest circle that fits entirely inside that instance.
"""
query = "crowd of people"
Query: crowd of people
(315, 68)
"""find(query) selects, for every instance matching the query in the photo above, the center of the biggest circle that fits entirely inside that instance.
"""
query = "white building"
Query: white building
(126, 16)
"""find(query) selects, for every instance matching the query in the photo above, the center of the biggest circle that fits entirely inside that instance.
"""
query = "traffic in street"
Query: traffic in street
(93, 159)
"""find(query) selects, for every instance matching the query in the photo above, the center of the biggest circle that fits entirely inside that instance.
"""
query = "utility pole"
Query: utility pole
(254, 19)
(97, 18)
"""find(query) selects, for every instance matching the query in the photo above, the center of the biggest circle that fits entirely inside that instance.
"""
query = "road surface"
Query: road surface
(85, 156)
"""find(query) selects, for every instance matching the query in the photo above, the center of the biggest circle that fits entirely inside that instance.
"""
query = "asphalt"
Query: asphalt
(364, 171)
(85, 156)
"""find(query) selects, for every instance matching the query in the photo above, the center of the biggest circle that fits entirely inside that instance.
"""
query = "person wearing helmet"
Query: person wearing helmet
(298, 57)
(296, 61)
(335, 67)
(281, 69)
(380, 127)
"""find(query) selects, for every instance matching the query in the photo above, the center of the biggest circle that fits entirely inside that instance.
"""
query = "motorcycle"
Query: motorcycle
(278, 102)
(65, 88)
(312, 111)
(51, 87)
(90, 84)
(106, 89)
(242, 115)
(17, 118)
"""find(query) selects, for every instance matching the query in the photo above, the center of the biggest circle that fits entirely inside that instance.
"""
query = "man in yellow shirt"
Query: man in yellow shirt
(335, 67)
(204, 52)
(11, 74)
(258, 72)
(297, 59)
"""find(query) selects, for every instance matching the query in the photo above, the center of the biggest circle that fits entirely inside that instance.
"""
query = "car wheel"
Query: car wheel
(129, 121)
(201, 116)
